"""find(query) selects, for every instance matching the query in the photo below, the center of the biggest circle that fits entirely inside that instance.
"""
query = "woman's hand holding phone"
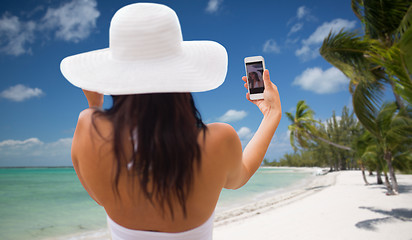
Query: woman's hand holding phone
(271, 102)
(255, 150)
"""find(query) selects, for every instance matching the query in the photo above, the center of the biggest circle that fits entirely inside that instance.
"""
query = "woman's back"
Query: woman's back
(94, 159)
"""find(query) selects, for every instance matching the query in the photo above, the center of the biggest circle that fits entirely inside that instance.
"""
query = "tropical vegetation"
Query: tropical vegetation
(377, 61)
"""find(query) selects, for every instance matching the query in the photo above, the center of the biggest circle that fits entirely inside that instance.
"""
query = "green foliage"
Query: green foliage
(382, 56)
(302, 125)
(323, 153)
(393, 126)
(297, 159)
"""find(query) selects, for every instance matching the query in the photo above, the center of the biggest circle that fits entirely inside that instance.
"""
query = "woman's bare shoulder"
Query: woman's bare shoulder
(223, 137)
(91, 124)
(86, 114)
(222, 130)
(91, 133)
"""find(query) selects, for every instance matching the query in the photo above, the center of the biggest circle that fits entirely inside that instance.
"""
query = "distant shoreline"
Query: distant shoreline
(285, 196)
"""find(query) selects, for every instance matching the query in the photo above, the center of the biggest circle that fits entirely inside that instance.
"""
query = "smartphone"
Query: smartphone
(254, 72)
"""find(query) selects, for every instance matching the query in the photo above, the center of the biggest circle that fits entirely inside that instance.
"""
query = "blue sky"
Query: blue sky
(40, 108)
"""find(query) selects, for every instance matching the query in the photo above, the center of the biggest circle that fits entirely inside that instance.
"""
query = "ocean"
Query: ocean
(46, 203)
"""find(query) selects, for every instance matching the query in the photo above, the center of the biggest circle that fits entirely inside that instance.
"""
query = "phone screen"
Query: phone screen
(255, 77)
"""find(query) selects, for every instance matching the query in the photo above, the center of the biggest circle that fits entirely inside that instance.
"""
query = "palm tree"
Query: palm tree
(382, 56)
(393, 136)
(303, 130)
(367, 153)
(342, 131)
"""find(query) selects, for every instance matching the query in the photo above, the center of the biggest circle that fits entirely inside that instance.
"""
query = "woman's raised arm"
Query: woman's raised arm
(255, 150)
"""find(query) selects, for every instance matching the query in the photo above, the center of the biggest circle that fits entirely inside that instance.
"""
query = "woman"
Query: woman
(255, 81)
(149, 160)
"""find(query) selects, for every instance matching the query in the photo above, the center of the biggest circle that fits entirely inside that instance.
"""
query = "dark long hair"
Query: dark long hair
(163, 129)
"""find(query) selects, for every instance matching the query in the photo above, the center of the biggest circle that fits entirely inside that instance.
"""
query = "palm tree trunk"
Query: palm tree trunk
(388, 159)
(330, 165)
(329, 142)
(388, 185)
(379, 177)
(343, 164)
(363, 174)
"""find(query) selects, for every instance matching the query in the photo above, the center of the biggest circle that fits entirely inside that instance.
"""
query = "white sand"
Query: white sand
(335, 206)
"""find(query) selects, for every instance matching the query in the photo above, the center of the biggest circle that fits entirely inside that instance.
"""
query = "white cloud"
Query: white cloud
(17, 143)
(33, 152)
(310, 46)
(20, 93)
(302, 12)
(322, 31)
(307, 53)
(271, 46)
(245, 135)
(233, 116)
(325, 122)
(72, 21)
(213, 6)
(322, 82)
(338, 118)
(15, 35)
(295, 28)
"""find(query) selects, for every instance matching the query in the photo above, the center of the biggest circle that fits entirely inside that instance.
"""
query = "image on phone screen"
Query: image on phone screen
(255, 77)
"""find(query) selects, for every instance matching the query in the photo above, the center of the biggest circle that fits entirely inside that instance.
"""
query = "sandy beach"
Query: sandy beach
(337, 205)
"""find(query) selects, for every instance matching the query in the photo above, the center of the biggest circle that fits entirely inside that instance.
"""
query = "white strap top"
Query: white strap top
(203, 232)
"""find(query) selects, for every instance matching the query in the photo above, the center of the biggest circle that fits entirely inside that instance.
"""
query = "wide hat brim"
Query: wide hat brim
(199, 66)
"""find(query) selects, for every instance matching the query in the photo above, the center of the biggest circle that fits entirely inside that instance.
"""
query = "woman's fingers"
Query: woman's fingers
(266, 79)
(245, 80)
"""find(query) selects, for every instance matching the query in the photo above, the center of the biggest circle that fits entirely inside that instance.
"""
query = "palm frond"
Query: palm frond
(303, 110)
(382, 18)
(357, 8)
(405, 46)
(390, 59)
(290, 117)
(403, 161)
(366, 99)
(347, 52)
(404, 24)
(400, 130)
(384, 118)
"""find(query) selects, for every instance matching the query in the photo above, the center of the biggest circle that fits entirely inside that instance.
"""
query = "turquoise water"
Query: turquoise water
(39, 203)
(265, 182)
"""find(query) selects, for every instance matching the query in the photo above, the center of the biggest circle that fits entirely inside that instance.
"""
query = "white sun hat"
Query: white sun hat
(147, 54)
